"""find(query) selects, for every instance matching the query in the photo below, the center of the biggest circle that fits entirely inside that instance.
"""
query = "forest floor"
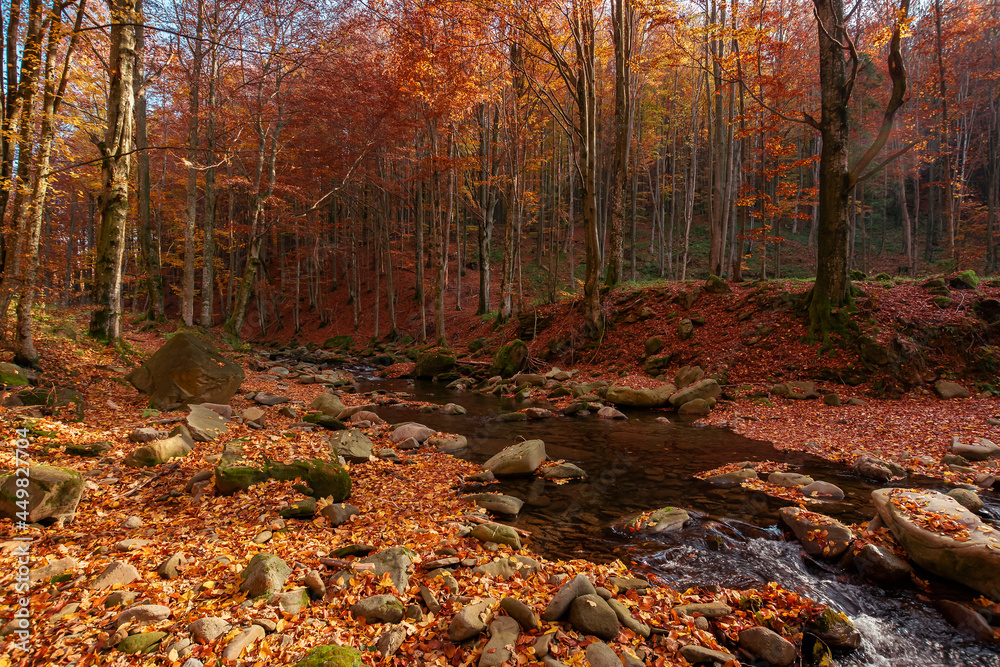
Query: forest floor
(742, 336)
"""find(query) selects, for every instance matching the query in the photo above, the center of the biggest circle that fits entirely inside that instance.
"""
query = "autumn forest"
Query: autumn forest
(197, 157)
(499, 332)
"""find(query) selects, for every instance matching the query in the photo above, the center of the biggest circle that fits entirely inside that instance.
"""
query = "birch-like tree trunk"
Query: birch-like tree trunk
(191, 198)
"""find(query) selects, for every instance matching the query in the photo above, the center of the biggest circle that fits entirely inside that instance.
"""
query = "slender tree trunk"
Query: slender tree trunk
(106, 319)
(208, 245)
(149, 246)
(623, 27)
(191, 206)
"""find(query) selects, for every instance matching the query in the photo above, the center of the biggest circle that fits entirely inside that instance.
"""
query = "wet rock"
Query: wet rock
(205, 425)
(630, 397)
(733, 478)
(209, 628)
(265, 574)
(823, 490)
(522, 458)
(238, 644)
(52, 495)
(699, 655)
(974, 560)
(609, 412)
(703, 389)
(430, 364)
(696, 407)
(116, 573)
(561, 601)
(453, 409)
(835, 630)
(819, 534)
(664, 520)
(789, 480)
(564, 471)
(967, 621)
(970, 500)
(503, 633)
(768, 645)
(378, 609)
(470, 620)
(537, 413)
(186, 369)
(880, 566)
(873, 469)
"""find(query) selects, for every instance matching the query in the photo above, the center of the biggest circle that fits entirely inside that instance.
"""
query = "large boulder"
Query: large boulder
(949, 390)
(510, 359)
(186, 369)
(178, 445)
(51, 493)
(430, 364)
(12, 375)
(520, 459)
(943, 537)
(657, 397)
(703, 389)
(328, 404)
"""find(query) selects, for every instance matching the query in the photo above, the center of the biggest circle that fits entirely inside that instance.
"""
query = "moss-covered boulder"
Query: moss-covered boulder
(331, 655)
(230, 479)
(144, 642)
(51, 494)
(265, 574)
(716, 285)
(186, 369)
(12, 375)
(340, 342)
(324, 421)
(324, 478)
(434, 363)
(510, 359)
(965, 280)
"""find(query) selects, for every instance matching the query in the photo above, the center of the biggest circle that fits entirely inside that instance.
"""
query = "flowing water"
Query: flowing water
(734, 539)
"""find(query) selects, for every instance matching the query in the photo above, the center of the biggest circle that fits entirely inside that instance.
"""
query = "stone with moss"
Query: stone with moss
(51, 494)
(144, 642)
(716, 285)
(13, 375)
(965, 280)
(230, 479)
(510, 359)
(89, 449)
(324, 478)
(179, 445)
(340, 342)
(435, 362)
(265, 574)
(941, 301)
(836, 630)
(324, 421)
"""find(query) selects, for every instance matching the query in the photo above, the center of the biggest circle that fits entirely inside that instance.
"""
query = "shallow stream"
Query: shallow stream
(734, 540)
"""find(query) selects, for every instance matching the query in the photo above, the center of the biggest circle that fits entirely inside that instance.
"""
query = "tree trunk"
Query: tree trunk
(623, 23)
(191, 205)
(208, 245)
(149, 246)
(106, 319)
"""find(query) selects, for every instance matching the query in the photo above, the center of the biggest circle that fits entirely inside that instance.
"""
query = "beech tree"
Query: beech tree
(831, 292)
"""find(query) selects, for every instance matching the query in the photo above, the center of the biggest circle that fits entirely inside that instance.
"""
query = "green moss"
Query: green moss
(331, 656)
(510, 359)
(326, 421)
(12, 375)
(941, 301)
(141, 643)
(238, 478)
